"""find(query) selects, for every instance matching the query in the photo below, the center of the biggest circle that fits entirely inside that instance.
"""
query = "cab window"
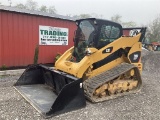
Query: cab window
(108, 34)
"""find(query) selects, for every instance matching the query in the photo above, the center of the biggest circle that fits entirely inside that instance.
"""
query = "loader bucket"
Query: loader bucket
(49, 91)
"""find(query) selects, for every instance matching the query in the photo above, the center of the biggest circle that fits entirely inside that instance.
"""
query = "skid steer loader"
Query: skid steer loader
(102, 65)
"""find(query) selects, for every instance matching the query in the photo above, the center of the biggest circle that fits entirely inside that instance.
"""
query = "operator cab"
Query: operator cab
(95, 33)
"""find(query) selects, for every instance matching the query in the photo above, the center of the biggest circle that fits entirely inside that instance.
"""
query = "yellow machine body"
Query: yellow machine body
(80, 68)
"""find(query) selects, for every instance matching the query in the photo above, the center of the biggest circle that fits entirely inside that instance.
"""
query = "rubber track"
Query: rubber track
(91, 84)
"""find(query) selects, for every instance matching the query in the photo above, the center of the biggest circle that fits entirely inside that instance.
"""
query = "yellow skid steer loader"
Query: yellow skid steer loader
(102, 65)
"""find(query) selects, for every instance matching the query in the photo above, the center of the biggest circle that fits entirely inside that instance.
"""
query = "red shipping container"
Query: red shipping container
(19, 36)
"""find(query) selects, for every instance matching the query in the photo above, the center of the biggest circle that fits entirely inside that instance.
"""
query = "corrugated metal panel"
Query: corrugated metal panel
(20, 35)
(126, 32)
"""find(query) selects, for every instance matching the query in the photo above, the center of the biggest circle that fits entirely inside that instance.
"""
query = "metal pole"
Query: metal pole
(10, 2)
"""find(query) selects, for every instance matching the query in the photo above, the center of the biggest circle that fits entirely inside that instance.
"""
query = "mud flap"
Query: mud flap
(49, 91)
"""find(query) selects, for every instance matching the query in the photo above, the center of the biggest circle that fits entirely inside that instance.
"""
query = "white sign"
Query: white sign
(53, 35)
(134, 32)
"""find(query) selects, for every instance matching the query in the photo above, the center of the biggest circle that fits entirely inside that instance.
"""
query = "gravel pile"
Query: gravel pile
(145, 52)
(144, 105)
(151, 61)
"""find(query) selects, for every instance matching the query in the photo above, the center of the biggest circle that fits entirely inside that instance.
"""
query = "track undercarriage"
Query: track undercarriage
(119, 81)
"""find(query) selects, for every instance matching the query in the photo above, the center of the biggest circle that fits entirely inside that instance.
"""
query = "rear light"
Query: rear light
(139, 66)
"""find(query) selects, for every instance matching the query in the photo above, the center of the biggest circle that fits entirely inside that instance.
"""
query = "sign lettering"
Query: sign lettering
(53, 35)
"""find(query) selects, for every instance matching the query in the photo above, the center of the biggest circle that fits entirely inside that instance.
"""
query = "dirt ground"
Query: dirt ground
(144, 105)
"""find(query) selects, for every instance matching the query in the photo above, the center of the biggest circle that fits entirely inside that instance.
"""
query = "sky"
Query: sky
(142, 12)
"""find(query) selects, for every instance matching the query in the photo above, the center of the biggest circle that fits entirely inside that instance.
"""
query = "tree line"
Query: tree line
(153, 28)
(33, 5)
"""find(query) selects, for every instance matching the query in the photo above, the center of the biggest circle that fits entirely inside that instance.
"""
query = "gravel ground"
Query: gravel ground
(144, 105)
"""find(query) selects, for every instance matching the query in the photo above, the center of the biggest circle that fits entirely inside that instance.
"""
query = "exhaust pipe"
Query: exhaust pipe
(49, 91)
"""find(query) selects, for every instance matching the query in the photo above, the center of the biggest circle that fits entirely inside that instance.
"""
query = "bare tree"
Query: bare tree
(129, 24)
(84, 16)
(75, 17)
(31, 5)
(96, 15)
(153, 30)
(81, 16)
(43, 8)
(116, 18)
(21, 6)
(52, 10)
